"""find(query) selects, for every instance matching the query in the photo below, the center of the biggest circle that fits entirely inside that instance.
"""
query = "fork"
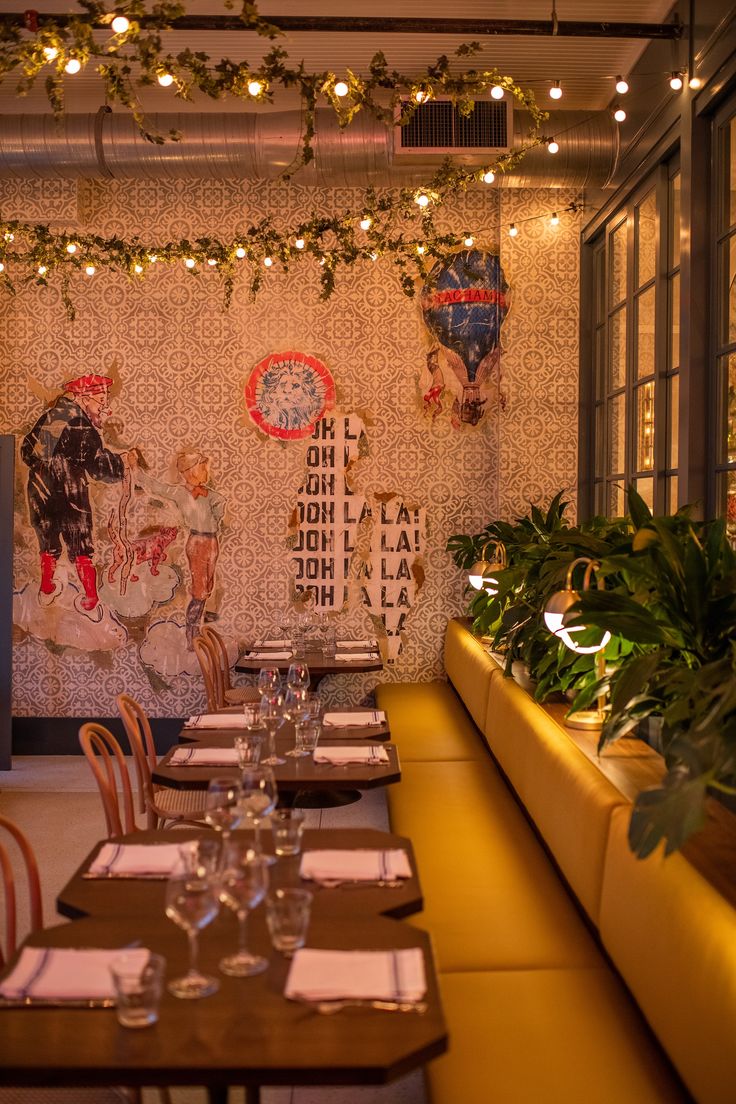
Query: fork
(329, 1007)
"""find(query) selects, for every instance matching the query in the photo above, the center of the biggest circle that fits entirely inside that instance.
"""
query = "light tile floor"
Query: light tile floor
(53, 799)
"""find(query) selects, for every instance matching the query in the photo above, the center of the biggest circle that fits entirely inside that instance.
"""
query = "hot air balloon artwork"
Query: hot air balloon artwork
(464, 303)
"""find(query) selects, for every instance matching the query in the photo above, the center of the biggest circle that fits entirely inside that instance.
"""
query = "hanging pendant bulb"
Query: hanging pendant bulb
(555, 91)
(513, 230)
(552, 146)
(676, 81)
(619, 115)
(120, 24)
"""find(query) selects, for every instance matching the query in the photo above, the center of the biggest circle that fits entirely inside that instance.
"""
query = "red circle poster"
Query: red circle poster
(287, 393)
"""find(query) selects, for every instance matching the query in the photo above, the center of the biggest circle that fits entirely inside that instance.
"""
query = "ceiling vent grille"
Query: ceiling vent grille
(438, 127)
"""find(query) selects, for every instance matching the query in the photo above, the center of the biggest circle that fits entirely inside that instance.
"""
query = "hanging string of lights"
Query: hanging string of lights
(553, 217)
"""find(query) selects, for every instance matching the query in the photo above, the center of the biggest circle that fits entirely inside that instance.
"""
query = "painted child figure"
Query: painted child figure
(201, 509)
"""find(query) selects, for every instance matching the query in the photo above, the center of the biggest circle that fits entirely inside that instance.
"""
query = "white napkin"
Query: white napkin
(272, 644)
(341, 755)
(355, 866)
(136, 858)
(216, 720)
(361, 719)
(204, 757)
(358, 975)
(64, 973)
(348, 656)
(357, 644)
(269, 655)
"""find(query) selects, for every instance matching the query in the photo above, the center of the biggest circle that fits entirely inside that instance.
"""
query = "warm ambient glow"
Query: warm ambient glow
(255, 87)
(676, 82)
(484, 573)
(469, 240)
(489, 176)
(165, 79)
(120, 24)
(73, 66)
(211, 262)
(619, 115)
(42, 270)
(50, 53)
(71, 248)
(240, 252)
(695, 83)
(559, 604)
(497, 92)
(366, 222)
(138, 268)
(421, 96)
(299, 243)
(421, 249)
(268, 261)
(422, 200)
(513, 230)
(622, 86)
(341, 89)
(555, 219)
(190, 262)
(555, 91)
(552, 146)
(90, 269)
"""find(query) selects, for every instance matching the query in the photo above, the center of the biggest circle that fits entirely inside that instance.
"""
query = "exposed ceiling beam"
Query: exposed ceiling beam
(468, 28)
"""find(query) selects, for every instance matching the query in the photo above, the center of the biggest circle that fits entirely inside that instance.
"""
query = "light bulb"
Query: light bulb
(567, 637)
(190, 262)
(497, 92)
(341, 89)
(489, 176)
(165, 79)
(555, 91)
(421, 96)
(300, 243)
(513, 231)
(138, 268)
(152, 258)
(469, 241)
(2, 267)
(422, 200)
(268, 261)
(552, 146)
(120, 24)
(72, 66)
(619, 114)
(9, 237)
(553, 621)
(90, 269)
(374, 256)
(71, 248)
(50, 53)
(622, 86)
(42, 270)
(695, 83)
(366, 222)
(555, 220)
(255, 87)
(240, 252)
(322, 260)
(211, 262)
(675, 81)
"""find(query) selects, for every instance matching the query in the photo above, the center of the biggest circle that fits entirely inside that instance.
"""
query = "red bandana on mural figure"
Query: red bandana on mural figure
(287, 394)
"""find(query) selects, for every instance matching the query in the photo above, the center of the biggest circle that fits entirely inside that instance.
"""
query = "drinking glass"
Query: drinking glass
(269, 678)
(295, 709)
(137, 977)
(222, 806)
(243, 886)
(192, 902)
(298, 676)
(200, 857)
(307, 736)
(287, 916)
(249, 746)
(258, 798)
(272, 704)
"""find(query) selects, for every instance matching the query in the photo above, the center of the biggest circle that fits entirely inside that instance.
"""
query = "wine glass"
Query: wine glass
(222, 806)
(192, 902)
(243, 885)
(269, 678)
(272, 704)
(258, 798)
(296, 708)
(298, 676)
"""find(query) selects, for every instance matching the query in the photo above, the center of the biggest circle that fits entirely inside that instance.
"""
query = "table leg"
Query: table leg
(325, 799)
(217, 1094)
(252, 1094)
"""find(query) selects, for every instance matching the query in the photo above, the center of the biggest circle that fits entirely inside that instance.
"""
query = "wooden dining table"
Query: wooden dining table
(319, 664)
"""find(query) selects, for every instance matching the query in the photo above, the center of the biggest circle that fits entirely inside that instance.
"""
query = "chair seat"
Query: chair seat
(241, 694)
(180, 803)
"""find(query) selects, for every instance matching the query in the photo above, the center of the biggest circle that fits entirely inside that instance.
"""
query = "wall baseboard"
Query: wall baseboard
(60, 735)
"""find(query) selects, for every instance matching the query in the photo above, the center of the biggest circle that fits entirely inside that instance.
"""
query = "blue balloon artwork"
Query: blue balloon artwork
(464, 304)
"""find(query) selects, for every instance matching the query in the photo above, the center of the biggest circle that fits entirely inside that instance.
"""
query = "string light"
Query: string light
(9, 237)
(90, 269)
(619, 115)
(255, 87)
(240, 252)
(152, 258)
(71, 248)
(694, 83)
(421, 249)
(555, 219)
(497, 92)
(421, 95)
(211, 262)
(165, 79)
(676, 81)
(422, 199)
(622, 86)
(341, 89)
(513, 230)
(552, 146)
(489, 176)
(300, 243)
(268, 261)
(190, 262)
(138, 268)
(469, 241)
(73, 66)
(120, 24)
(50, 53)
(555, 91)
(374, 256)
(2, 267)
(366, 222)
(42, 270)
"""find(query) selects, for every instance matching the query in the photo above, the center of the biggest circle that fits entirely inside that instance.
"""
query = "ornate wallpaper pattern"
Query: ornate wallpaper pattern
(182, 362)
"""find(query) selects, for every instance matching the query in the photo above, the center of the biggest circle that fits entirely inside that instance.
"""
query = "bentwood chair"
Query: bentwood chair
(231, 695)
(210, 664)
(162, 805)
(110, 770)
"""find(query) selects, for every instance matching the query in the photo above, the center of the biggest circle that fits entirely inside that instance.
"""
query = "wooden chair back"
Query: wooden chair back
(33, 886)
(219, 648)
(110, 770)
(209, 663)
(143, 750)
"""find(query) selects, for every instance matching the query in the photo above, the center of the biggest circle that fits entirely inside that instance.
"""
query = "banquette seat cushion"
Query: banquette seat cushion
(429, 722)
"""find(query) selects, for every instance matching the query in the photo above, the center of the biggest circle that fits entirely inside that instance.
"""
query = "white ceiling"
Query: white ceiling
(586, 67)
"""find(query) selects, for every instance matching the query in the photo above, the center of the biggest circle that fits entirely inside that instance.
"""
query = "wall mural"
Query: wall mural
(287, 393)
(464, 304)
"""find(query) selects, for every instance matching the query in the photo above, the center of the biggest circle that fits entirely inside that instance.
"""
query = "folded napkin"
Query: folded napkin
(348, 656)
(363, 718)
(355, 866)
(357, 644)
(357, 975)
(204, 757)
(216, 720)
(272, 644)
(136, 858)
(64, 974)
(339, 755)
(269, 655)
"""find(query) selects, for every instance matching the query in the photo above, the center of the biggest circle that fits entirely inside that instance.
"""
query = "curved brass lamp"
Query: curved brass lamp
(556, 614)
(484, 573)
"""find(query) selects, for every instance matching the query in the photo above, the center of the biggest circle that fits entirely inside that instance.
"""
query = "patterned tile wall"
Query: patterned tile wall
(183, 361)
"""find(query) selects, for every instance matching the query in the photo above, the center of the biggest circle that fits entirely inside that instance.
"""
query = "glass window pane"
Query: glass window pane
(616, 435)
(673, 251)
(600, 363)
(673, 422)
(615, 506)
(645, 487)
(645, 427)
(600, 498)
(617, 350)
(672, 495)
(599, 451)
(727, 264)
(645, 334)
(673, 350)
(599, 284)
(727, 501)
(646, 238)
(726, 443)
(617, 265)
(727, 214)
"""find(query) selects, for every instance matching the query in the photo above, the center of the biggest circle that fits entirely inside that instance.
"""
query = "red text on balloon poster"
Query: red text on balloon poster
(287, 393)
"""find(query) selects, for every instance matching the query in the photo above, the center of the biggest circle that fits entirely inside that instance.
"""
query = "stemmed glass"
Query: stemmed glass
(298, 676)
(269, 678)
(222, 806)
(243, 885)
(296, 708)
(272, 703)
(192, 902)
(258, 798)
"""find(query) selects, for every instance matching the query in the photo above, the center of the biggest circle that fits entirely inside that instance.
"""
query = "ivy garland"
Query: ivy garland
(136, 58)
(398, 225)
